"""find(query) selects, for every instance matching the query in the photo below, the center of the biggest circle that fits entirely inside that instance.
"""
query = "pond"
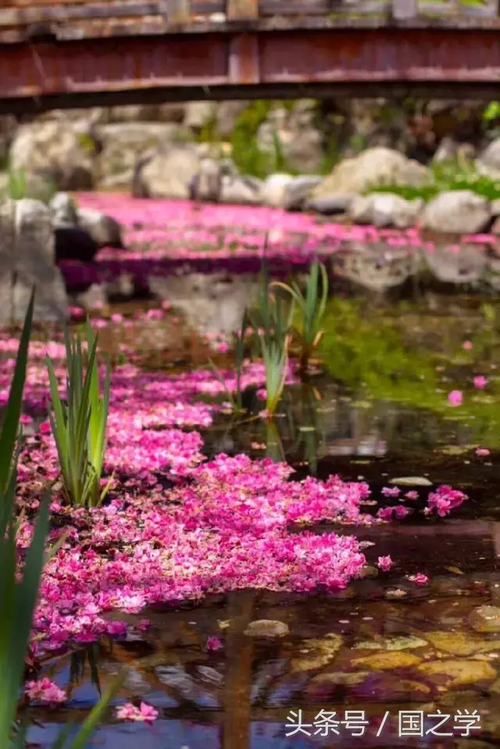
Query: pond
(404, 654)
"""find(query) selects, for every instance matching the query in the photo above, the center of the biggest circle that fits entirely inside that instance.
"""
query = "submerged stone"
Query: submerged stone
(459, 671)
(388, 660)
(462, 643)
(392, 643)
(267, 628)
(485, 619)
(322, 652)
(411, 481)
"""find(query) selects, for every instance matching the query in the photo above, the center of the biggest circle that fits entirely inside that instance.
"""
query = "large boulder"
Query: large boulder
(166, 173)
(384, 210)
(122, 144)
(373, 168)
(488, 163)
(27, 258)
(457, 212)
(54, 151)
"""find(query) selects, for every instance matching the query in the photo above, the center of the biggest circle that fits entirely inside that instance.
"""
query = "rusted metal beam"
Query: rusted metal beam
(180, 66)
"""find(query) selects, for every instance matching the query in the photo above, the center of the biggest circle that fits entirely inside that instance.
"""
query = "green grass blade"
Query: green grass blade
(10, 425)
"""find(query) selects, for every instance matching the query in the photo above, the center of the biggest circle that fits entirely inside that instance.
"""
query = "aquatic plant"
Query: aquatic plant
(19, 599)
(273, 315)
(235, 399)
(311, 307)
(275, 356)
(79, 427)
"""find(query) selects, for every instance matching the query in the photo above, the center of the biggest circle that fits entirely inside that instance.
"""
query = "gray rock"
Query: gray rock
(298, 191)
(457, 212)
(495, 208)
(124, 143)
(207, 183)
(466, 263)
(488, 163)
(485, 619)
(241, 190)
(384, 209)
(376, 267)
(274, 189)
(371, 169)
(104, 230)
(27, 258)
(330, 205)
(197, 114)
(56, 152)
(446, 151)
(63, 210)
(166, 173)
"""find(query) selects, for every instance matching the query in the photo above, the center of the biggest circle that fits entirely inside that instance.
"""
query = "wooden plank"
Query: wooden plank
(99, 10)
(176, 11)
(242, 10)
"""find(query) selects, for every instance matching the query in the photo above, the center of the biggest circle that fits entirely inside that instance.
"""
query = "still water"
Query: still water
(382, 663)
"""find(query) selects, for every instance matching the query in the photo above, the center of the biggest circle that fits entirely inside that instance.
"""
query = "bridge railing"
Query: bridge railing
(65, 18)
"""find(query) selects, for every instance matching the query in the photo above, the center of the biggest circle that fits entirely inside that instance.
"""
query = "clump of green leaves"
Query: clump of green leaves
(79, 426)
(311, 309)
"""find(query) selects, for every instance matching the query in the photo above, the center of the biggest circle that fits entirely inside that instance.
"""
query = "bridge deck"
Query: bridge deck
(67, 53)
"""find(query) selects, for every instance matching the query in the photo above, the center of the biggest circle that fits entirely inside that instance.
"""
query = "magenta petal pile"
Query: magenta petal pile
(176, 527)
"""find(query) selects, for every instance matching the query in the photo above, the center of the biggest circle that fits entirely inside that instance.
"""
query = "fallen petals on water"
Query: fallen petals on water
(213, 643)
(455, 398)
(418, 579)
(480, 382)
(45, 690)
(385, 563)
(144, 713)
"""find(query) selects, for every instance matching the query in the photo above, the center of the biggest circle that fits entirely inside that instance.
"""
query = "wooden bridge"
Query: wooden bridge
(80, 53)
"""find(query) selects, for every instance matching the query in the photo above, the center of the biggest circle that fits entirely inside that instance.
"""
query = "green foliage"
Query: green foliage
(18, 599)
(492, 111)
(16, 188)
(311, 308)
(454, 175)
(273, 314)
(275, 356)
(79, 427)
(249, 159)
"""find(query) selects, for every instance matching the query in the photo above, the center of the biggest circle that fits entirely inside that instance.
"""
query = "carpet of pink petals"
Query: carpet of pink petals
(176, 527)
(155, 229)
